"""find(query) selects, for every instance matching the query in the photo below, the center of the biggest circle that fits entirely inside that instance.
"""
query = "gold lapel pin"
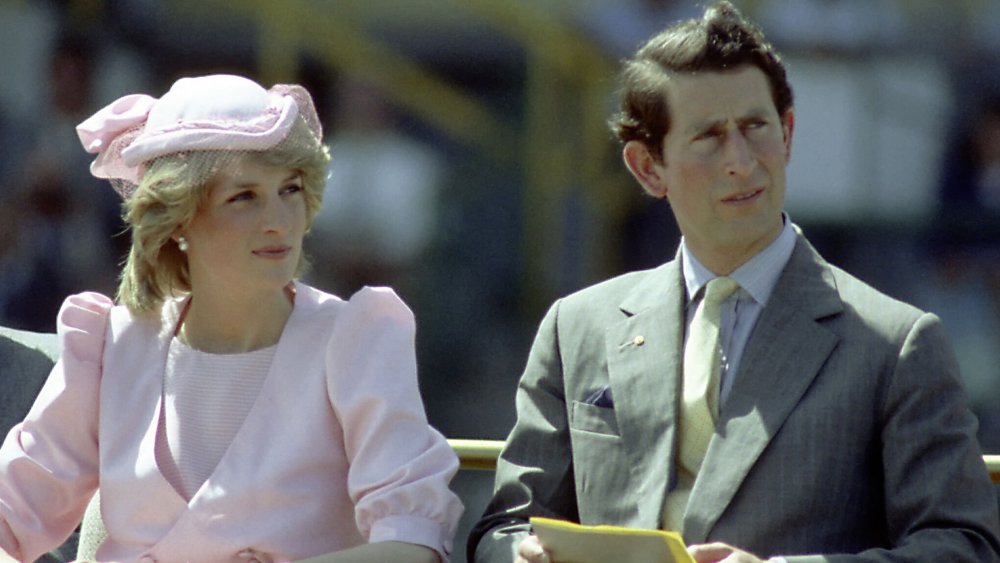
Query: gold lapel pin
(637, 341)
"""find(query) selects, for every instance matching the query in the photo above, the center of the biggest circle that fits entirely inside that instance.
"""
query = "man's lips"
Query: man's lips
(744, 197)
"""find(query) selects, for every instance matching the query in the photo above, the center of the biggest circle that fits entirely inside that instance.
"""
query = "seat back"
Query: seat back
(26, 358)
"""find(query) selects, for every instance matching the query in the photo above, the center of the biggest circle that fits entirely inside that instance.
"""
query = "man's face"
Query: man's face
(723, 164)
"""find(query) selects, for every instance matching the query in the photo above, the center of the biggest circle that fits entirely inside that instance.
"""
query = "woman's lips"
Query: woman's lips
(273, 252)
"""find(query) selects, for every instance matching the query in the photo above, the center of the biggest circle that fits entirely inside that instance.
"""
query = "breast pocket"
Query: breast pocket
(590, 418)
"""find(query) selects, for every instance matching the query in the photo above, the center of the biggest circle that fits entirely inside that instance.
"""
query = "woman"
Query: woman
(224, 410)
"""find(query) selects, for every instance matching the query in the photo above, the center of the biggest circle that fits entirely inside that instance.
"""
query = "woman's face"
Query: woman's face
(247, 235)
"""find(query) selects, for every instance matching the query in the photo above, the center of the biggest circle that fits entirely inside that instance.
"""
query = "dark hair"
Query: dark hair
(721, 40)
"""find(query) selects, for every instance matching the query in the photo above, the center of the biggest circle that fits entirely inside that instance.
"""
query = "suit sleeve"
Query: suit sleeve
(534, 472)
(940, 503)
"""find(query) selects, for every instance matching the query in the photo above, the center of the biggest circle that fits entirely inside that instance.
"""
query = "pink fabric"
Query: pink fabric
(256, 133)
(215, 112)
(97, 132)
(206, 398)
(336, 451)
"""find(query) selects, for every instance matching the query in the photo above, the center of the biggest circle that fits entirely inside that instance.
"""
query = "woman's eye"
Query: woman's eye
(242, 196)
(292, 189)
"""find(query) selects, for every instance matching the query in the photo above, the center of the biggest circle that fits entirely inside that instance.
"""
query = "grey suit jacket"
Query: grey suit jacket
(846, 430)
(25, 361)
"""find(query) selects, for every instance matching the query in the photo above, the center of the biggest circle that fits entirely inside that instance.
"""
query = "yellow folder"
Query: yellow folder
(569, 542)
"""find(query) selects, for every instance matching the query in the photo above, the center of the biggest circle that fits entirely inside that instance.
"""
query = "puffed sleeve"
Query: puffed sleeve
(49, 462)
(400, 467)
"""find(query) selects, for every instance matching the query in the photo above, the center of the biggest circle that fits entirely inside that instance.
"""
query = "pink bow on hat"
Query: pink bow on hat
(99, 130)
(214, 112)
(123, 114)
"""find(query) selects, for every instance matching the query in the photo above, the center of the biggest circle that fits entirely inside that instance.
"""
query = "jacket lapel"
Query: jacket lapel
(643, 368)
(786, 350)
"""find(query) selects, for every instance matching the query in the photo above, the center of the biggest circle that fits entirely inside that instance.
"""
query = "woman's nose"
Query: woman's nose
(276, 215)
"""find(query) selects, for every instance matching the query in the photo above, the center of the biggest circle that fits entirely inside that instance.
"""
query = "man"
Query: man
(838, 429)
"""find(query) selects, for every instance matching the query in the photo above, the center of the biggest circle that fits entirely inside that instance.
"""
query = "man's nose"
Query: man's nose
(740, 160)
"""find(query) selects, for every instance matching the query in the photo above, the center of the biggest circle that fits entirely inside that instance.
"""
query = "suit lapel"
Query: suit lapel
(643, 368)
(786, 350)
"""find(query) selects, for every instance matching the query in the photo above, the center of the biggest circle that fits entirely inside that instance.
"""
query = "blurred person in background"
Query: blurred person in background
(382, 197)
(964, 258)
(64, 232)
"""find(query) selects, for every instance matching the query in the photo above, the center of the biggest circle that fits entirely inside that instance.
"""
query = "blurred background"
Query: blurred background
(473, 171)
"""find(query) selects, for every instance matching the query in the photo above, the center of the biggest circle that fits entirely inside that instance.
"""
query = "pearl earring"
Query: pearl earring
(182, 244)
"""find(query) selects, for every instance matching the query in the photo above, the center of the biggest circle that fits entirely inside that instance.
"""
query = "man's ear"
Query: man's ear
(788, 127)
(647, 169)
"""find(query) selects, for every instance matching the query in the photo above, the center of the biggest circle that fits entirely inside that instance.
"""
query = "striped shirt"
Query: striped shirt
(757, 278)
(206, 398)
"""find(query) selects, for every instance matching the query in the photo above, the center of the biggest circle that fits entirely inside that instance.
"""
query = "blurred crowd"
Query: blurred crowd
(895, 173)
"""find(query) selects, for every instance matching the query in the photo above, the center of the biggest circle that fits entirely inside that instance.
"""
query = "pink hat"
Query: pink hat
(217, 112)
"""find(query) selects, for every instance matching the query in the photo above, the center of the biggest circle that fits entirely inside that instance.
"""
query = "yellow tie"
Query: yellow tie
(699, 407)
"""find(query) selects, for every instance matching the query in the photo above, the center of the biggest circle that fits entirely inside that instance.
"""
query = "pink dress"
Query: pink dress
(334, 452)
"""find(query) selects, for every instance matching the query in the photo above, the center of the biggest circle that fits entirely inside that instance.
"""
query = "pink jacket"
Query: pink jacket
(336, 451)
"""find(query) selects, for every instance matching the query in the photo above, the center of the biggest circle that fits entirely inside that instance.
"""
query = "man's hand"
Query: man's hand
(720, 553)
(530, 550)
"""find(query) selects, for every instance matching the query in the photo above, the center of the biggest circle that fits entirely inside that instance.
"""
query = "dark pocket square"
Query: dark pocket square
(601, 398)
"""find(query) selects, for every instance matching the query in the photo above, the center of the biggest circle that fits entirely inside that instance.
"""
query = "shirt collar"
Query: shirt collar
(757, 276)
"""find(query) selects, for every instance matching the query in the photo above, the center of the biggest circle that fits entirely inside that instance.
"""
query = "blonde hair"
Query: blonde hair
(173, 188)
